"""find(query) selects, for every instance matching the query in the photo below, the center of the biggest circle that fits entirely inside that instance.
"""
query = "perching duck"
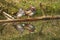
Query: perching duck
(20, 13)
(31, 11)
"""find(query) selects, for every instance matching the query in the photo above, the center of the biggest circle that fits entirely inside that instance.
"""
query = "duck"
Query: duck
(19, 27)
(29, 27)
(20, 13)
(30, 12)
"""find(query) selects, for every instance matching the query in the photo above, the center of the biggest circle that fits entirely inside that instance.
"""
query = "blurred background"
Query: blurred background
(45, 29)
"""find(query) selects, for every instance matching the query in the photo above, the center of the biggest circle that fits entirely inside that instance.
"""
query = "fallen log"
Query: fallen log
(31, 19)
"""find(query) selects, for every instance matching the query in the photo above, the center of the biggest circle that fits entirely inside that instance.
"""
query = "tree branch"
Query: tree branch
(31, 19)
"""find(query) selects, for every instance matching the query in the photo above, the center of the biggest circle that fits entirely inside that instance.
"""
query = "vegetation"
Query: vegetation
(45, 29)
